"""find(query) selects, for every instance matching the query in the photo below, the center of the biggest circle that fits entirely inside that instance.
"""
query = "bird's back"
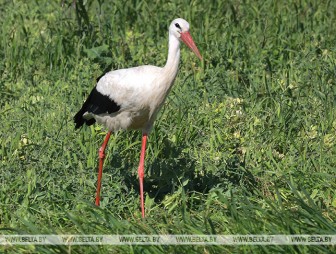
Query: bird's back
(121, 99)
(127, 86)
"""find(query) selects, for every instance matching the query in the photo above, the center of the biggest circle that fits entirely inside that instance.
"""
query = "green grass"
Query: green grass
(245, 143)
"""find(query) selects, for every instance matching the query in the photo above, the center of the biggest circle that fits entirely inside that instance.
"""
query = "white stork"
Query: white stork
(131, 98)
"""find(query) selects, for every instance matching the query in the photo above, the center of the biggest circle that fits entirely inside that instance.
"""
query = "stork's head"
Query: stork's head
(180, 29)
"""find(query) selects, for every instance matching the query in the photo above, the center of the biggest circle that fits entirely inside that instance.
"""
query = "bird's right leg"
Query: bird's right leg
(141, 172)
(101, 163)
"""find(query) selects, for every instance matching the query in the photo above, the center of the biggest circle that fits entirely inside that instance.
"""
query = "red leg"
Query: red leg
(101, 163)
(141, 172)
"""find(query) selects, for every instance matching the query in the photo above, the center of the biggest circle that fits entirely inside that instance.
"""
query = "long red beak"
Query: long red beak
(188, 40)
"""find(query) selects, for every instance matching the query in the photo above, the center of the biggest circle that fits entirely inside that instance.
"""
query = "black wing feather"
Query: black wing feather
(96, 103)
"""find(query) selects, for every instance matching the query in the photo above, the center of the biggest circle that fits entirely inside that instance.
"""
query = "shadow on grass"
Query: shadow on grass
(173, 169)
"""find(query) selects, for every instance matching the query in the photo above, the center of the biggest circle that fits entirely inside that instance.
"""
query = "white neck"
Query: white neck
(171, 67)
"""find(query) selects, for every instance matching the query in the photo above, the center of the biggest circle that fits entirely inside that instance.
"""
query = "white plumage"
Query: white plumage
(136, 93)
(131, 98)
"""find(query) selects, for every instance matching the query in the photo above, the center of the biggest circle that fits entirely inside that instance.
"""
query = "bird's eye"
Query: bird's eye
(178, 26)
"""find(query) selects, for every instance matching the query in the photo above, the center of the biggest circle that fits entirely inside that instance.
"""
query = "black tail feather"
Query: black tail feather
(96, 103)
(80, 120)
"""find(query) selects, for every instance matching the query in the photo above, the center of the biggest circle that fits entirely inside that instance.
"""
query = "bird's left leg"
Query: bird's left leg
(141, 172)
(101, 163)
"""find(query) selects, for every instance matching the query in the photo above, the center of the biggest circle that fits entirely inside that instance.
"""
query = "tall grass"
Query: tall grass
(244, 145)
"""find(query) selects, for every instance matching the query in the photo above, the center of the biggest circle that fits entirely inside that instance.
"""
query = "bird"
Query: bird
(131, 98)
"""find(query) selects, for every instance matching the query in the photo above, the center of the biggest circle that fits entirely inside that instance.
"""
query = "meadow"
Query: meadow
(245, 143)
